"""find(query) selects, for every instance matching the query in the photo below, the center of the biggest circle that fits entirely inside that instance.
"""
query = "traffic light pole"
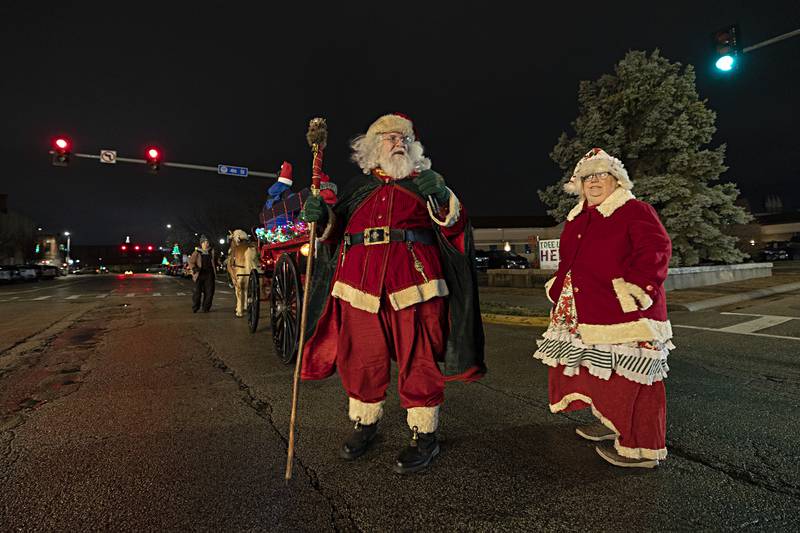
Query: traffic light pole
(178, 165)
(771, 41)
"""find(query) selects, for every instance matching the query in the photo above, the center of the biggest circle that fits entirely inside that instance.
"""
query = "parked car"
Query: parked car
(26, 272)
(7, 274)
(45, 271)
(481, 260)
(86, 270)
(500, 259)
(777, 251)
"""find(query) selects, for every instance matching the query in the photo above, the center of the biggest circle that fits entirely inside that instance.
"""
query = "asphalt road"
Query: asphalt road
(122, 410)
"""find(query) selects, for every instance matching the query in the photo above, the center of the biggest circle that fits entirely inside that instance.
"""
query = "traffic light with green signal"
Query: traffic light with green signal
(726, 48)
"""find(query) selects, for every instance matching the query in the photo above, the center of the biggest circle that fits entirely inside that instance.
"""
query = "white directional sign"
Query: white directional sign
(229, 170)
(108, 156)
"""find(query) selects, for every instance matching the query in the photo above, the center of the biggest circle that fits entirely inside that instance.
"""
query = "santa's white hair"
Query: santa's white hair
(367, 151)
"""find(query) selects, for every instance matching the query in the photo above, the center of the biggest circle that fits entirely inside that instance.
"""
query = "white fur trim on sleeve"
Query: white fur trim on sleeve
(642, 297)
(631, 297)
(547, 285)
(454, 207)
(624, 296)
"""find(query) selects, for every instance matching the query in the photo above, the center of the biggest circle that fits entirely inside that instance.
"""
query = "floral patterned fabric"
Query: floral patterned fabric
(642, 362)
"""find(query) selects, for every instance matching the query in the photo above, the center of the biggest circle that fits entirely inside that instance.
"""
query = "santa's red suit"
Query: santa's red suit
(388, 297)
(388, 304)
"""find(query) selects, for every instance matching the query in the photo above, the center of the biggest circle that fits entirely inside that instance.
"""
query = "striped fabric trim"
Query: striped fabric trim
(645, 368)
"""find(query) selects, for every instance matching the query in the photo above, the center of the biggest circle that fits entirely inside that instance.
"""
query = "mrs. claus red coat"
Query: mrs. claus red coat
(617, 254)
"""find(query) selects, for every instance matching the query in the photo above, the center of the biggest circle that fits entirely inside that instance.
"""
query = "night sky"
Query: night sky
(490, 88)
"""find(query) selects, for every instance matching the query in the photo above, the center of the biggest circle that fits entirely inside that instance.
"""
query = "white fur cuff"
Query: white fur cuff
(365, 413)
(454, 209)
(547, 286)
(631, 297)
(426, 419)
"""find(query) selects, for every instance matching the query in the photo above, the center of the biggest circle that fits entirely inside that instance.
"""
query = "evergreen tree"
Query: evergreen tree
(649, 115)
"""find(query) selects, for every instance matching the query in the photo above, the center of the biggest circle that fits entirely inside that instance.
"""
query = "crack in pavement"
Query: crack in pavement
(264, 410)
(737, 474)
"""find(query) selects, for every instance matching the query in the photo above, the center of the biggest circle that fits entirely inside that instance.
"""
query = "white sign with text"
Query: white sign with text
(548, 254)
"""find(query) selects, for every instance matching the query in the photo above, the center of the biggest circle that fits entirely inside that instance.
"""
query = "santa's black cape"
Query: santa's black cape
(465, 341)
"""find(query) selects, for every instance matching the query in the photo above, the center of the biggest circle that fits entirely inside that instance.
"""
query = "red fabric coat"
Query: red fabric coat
(618, 254)
(365, 273)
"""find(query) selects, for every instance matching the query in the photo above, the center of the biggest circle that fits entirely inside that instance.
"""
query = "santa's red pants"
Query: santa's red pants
(638, 413)
(414, 337)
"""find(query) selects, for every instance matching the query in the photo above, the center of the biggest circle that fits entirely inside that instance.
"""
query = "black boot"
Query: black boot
(418, 454)
(359, 440)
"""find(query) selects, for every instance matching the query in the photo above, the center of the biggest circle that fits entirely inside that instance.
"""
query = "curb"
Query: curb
(516, 320)
(734, 298)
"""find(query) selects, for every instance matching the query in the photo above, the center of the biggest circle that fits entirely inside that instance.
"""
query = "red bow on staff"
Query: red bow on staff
(317, 137)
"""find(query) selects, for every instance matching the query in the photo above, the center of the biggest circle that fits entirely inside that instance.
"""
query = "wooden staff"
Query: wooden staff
(317, 137)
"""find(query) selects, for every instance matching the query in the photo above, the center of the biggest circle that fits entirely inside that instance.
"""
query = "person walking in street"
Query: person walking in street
(609, 337)
(399, 285)
(203, 265)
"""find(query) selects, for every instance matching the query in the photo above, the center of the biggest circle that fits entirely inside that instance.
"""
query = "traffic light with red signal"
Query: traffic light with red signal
(727, 48)
(153, 159)
(62, 148)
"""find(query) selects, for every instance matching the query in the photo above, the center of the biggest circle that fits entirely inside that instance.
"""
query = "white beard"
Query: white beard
(397, 166)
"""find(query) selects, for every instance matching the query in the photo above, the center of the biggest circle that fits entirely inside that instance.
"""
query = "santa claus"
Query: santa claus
(396, 282)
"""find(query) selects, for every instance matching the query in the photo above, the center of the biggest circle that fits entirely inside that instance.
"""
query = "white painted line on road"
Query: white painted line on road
(42, 298)
(224, 292)
(738, 332)
(156, 294)
(73, 297)
(181, 294)
(773, 316)
(11, 299)
(752, 326)
(101, 296)
(130, 295)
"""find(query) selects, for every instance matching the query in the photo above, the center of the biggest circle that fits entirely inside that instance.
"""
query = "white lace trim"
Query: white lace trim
(641, 365)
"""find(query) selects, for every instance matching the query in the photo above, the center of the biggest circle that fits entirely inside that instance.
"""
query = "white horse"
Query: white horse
(242, 258)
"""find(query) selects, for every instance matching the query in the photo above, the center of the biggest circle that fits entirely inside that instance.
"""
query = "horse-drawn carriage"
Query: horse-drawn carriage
(283, 246)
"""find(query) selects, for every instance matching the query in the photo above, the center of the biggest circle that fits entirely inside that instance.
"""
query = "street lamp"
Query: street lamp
(67, 235)
(169, 226)
(222, 241)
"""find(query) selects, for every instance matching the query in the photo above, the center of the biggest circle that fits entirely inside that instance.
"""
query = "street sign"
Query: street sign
(548, 254)
(108, 156)
(229, 170)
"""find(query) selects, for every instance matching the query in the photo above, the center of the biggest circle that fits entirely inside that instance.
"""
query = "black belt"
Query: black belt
(384, 234)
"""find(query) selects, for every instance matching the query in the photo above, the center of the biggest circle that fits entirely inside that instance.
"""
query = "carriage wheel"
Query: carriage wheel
(253, 301)
(285, 305)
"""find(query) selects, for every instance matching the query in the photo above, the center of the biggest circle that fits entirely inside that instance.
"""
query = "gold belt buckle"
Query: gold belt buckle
(376, 235)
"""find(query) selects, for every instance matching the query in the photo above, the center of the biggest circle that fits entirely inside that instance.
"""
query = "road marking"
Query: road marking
(101, 296)
(43, 297)
(73, 297)
(130, 295)
(773, 316)
(11, 299)
(156, 294)
(181, 294)
(738, 332)
(751, 326)
(224, 292)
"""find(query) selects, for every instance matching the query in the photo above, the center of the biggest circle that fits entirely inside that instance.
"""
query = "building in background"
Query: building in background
(17, 235)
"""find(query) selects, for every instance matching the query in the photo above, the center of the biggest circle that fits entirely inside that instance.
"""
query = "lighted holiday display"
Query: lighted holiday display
(282, 233)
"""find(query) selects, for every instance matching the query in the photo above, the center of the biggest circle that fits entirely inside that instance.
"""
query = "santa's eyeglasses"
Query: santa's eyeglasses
(395, 138)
